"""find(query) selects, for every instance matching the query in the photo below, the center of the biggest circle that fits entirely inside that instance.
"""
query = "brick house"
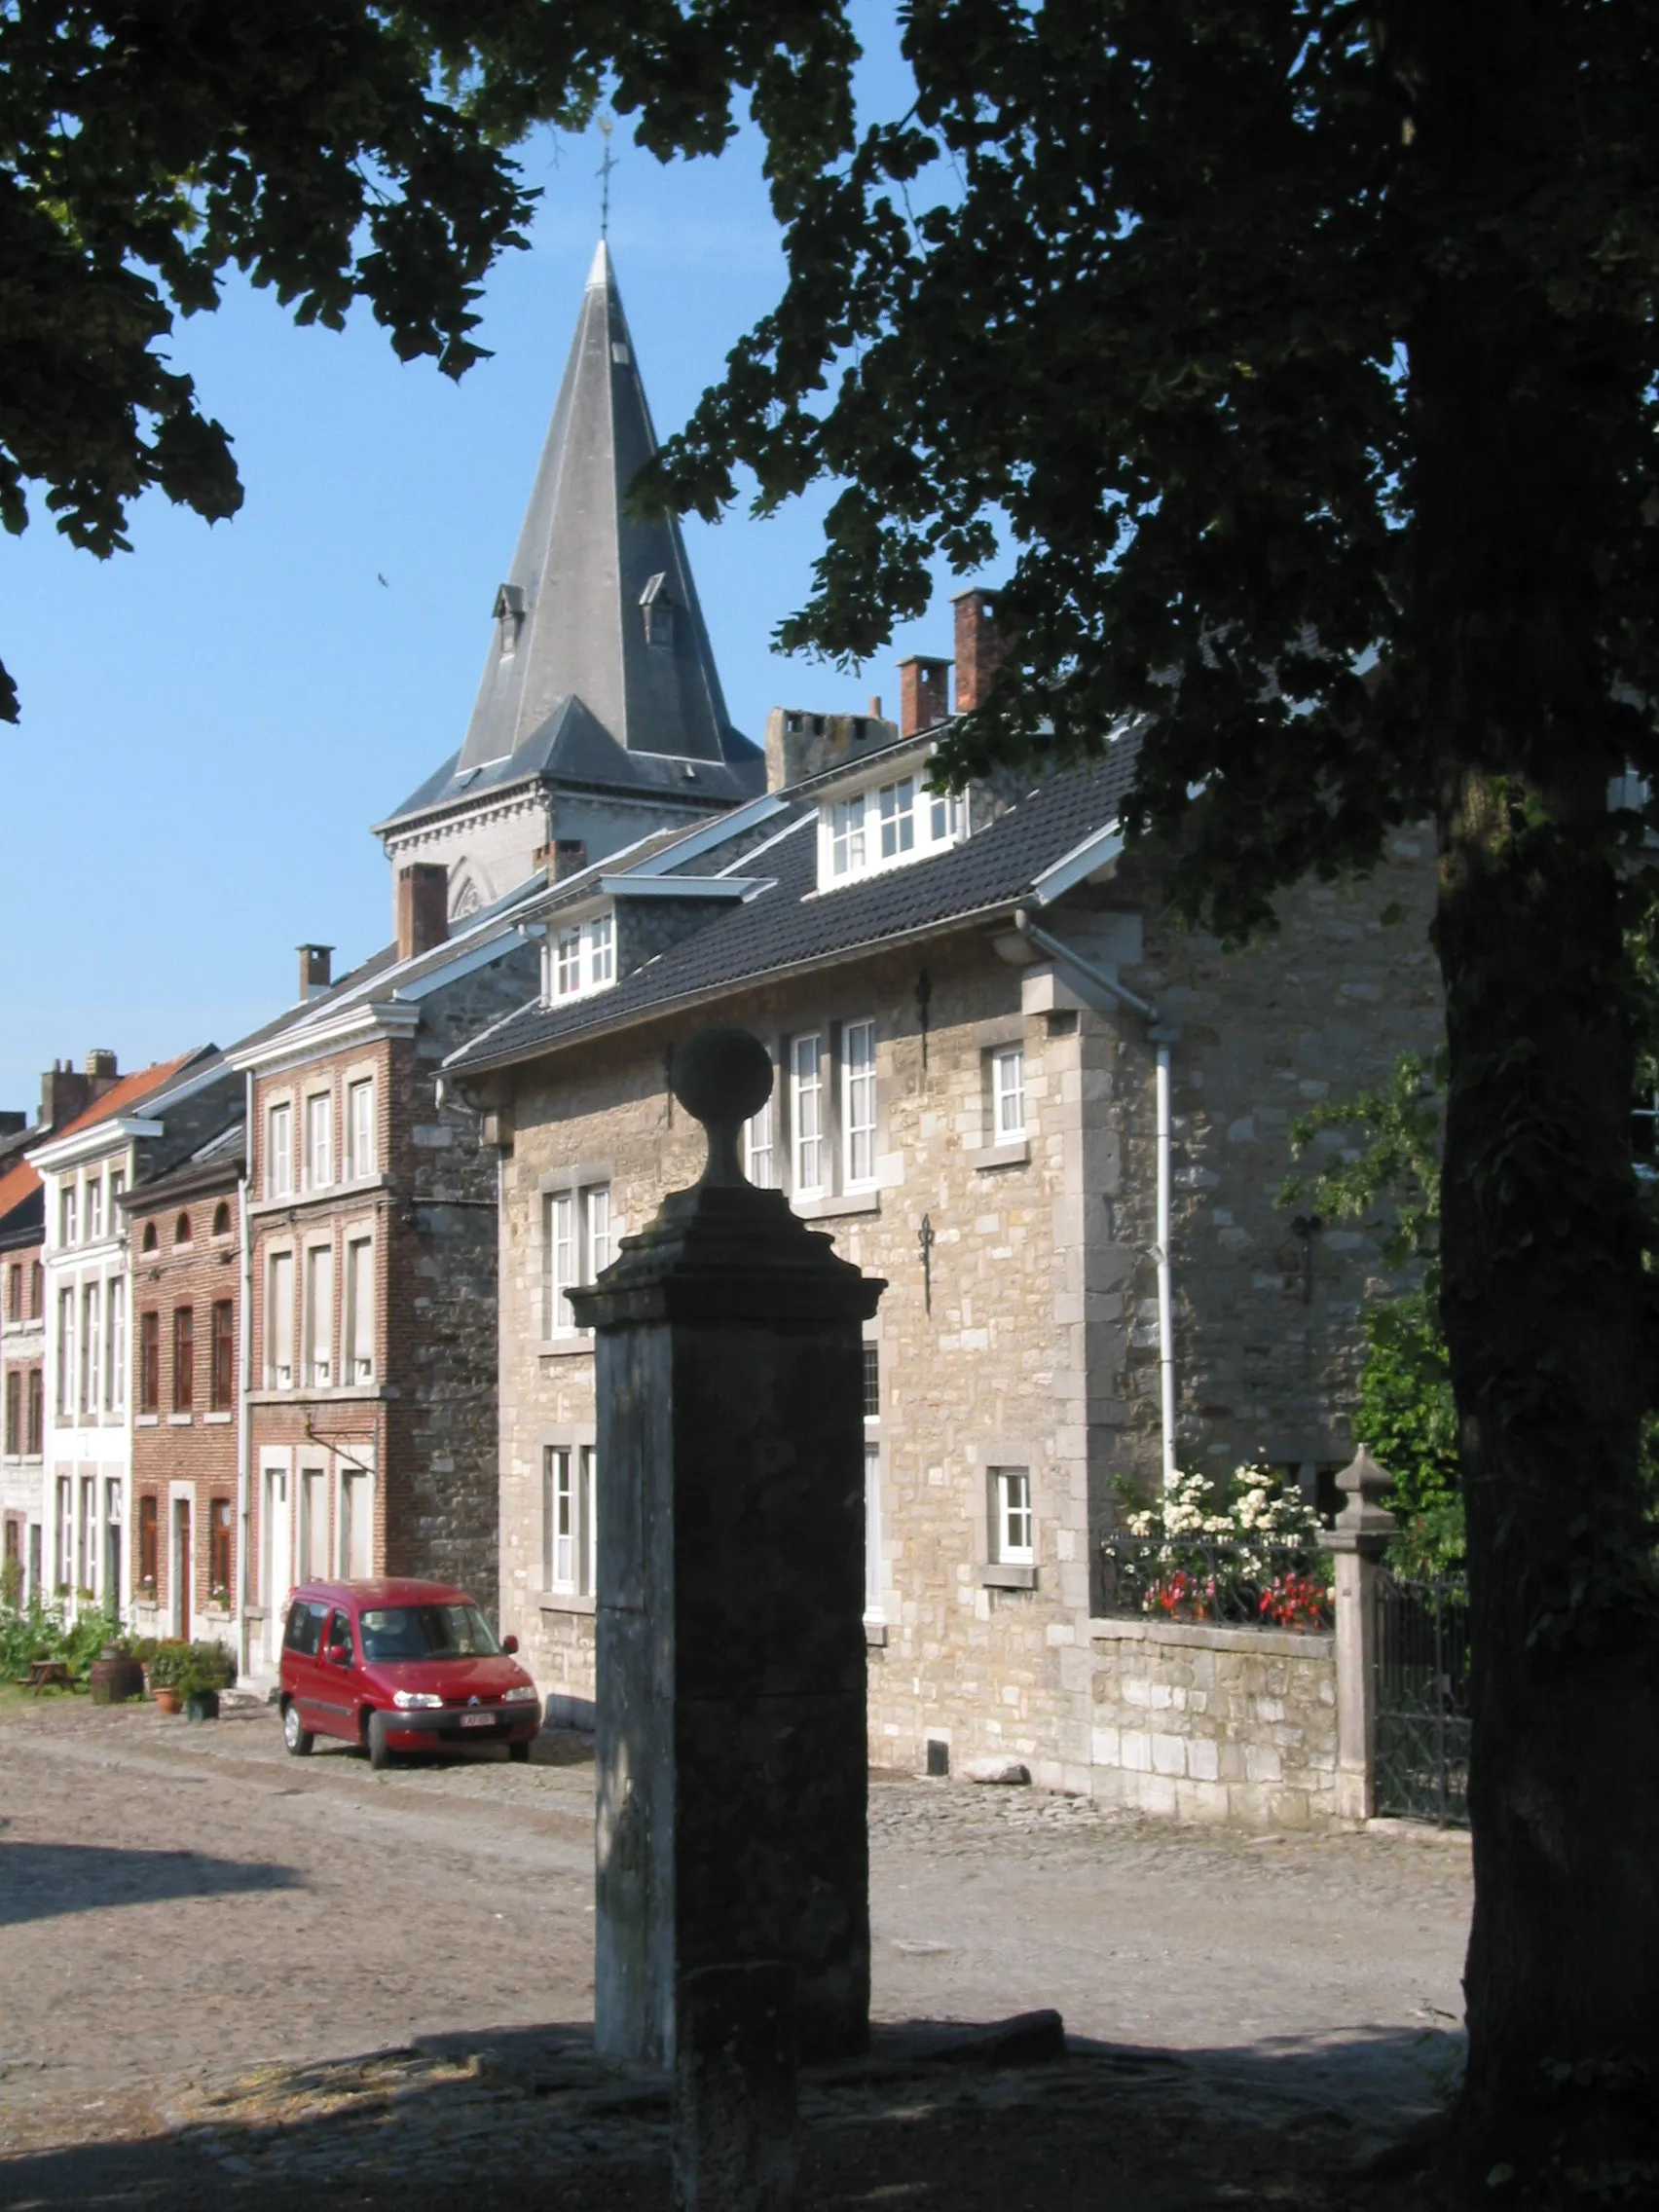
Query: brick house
(22, 1373)
(998, 1064)
(371, 1411)
(137, 1127)
(184, 1238)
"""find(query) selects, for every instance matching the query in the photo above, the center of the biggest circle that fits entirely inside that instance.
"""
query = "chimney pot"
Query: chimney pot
(423, 909)
(100, 1064)
(923, 688)
(316, 970)
(980, 648)
(569, 858)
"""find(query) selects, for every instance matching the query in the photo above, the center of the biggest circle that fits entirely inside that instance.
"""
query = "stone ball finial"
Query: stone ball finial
(721, 1076)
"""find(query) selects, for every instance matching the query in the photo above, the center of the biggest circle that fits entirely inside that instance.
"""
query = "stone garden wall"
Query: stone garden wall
(1195, 1722)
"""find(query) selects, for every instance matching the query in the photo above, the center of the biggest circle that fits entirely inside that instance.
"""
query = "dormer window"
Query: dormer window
(658, 609)
(884, 826)
(582, 957)
(509, 617)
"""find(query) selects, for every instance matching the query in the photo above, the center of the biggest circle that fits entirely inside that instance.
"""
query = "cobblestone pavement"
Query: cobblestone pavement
(225, 1969)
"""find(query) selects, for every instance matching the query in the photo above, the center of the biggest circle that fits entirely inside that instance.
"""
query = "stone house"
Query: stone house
(22, 1373)
(184, 1233)
(1000, 1066)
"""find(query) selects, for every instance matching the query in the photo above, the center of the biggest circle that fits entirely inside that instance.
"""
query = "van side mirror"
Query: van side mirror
(509, 1645)
(339, 1655)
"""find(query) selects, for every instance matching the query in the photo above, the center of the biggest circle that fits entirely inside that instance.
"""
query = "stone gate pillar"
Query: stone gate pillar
(1359, 1536)
(731, 1747)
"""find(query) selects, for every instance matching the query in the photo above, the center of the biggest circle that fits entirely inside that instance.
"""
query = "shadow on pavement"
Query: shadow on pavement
(38, 1881)
(936, 2119)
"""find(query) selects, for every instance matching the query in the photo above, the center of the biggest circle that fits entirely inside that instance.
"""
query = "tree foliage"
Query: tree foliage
(1389, 1175)
(333, 151)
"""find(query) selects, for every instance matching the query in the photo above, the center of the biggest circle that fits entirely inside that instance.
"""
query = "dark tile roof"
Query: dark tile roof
(783, 926)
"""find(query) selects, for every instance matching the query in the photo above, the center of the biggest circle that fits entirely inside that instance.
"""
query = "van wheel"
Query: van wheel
(380, 1751)
(298, 1740)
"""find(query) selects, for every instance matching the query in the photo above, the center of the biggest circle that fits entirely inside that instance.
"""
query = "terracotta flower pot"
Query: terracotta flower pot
(169, 1701)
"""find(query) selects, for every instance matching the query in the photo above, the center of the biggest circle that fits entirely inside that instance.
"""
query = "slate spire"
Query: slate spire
(599, 610)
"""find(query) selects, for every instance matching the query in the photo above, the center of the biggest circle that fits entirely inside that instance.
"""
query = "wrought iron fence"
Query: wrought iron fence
(1235, 1582)
(1422, 1699)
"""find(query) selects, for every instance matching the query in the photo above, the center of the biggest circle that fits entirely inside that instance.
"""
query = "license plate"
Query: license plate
(478, 1720)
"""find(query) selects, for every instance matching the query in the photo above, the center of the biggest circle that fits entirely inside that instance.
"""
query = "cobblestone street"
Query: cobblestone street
(224, 1968)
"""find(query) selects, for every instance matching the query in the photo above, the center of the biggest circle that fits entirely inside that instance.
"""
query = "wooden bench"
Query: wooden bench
(49, 1674)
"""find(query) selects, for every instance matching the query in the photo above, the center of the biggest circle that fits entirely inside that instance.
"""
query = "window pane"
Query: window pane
(362, 1129)
(808, 1102)
(360, 1314)
(602, 950)
(115, 1330)
(1013, 1529)
(561, 1262)
(319, 1317)
(598, 1229)
(858, 1063)
(557, 1519)
(873, 1609)
(759, 1164)
(568, 962)
(1009, 1071)
(319, 1132)
(872, 1383)
(280, 1322)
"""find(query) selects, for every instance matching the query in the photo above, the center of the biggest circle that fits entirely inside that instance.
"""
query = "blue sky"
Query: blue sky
(212, 722)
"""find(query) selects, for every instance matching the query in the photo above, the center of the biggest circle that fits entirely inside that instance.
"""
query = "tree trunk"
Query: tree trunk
(1523, 428)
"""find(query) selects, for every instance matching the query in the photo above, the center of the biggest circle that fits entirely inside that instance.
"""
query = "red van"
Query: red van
(400, 1666)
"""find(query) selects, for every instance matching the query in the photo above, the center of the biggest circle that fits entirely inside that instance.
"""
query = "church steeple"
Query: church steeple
(598, 609)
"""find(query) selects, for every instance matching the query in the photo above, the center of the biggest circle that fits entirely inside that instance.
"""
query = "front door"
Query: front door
(184, 1581)
(279, 1561)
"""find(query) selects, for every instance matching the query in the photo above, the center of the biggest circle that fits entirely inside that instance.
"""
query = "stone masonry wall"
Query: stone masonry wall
(1199, 1723)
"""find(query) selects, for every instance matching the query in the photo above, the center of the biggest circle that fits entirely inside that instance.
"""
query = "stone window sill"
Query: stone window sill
(329, 1194)
(217, 1418)
(565, 1602)
(149, 1421)
(347, 1394)
(564, 1347)
(833, 1203)
(1017, 1153)
(1003, 1575)
(180, 1421)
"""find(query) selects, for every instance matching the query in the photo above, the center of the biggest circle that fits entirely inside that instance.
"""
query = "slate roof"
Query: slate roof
(575, 689)
(791, 925)
(23, 1200)
(215, 1164)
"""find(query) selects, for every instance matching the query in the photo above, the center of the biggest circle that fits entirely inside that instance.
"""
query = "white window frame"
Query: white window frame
(66, 1217)
(361, 1134)
(357, 1366)
(578, 1233)
(1014, 1525)
(92, 1339)
(317, 1317)
(1007, 1095)
(858, 1105)
(885, 825)
(320, 1123)
(95, 1210)
(809, 1139)
(115, 1330)
(570, 1545)
(280, 1149)
(875, 1579)
(67, 1368)
(760, 1145)
(278, 1320)
(354, 1522)
(581, 957)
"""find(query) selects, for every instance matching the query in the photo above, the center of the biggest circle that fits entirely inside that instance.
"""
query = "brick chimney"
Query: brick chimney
(923, 686)
(422, 907)
(979, 649)
(316, 970)
(101, 1069)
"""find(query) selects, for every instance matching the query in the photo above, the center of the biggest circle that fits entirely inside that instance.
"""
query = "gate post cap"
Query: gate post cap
(1364, 1524)
(721, 1076)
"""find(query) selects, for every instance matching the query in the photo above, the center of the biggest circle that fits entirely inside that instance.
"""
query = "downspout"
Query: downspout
(245, 1352)
(1160, 1039)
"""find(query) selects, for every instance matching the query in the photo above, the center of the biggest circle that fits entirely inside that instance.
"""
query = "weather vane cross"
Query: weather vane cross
(603, 172)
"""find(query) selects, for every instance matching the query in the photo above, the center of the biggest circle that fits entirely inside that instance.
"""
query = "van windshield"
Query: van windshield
(426, 1631)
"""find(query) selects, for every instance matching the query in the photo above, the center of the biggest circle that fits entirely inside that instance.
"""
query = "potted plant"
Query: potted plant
(169, 1663)
(206, 1670)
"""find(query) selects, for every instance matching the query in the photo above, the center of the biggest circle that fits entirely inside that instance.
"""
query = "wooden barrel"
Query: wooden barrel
(115, 1677)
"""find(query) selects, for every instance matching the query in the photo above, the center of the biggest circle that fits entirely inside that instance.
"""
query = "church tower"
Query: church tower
(599, 715)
